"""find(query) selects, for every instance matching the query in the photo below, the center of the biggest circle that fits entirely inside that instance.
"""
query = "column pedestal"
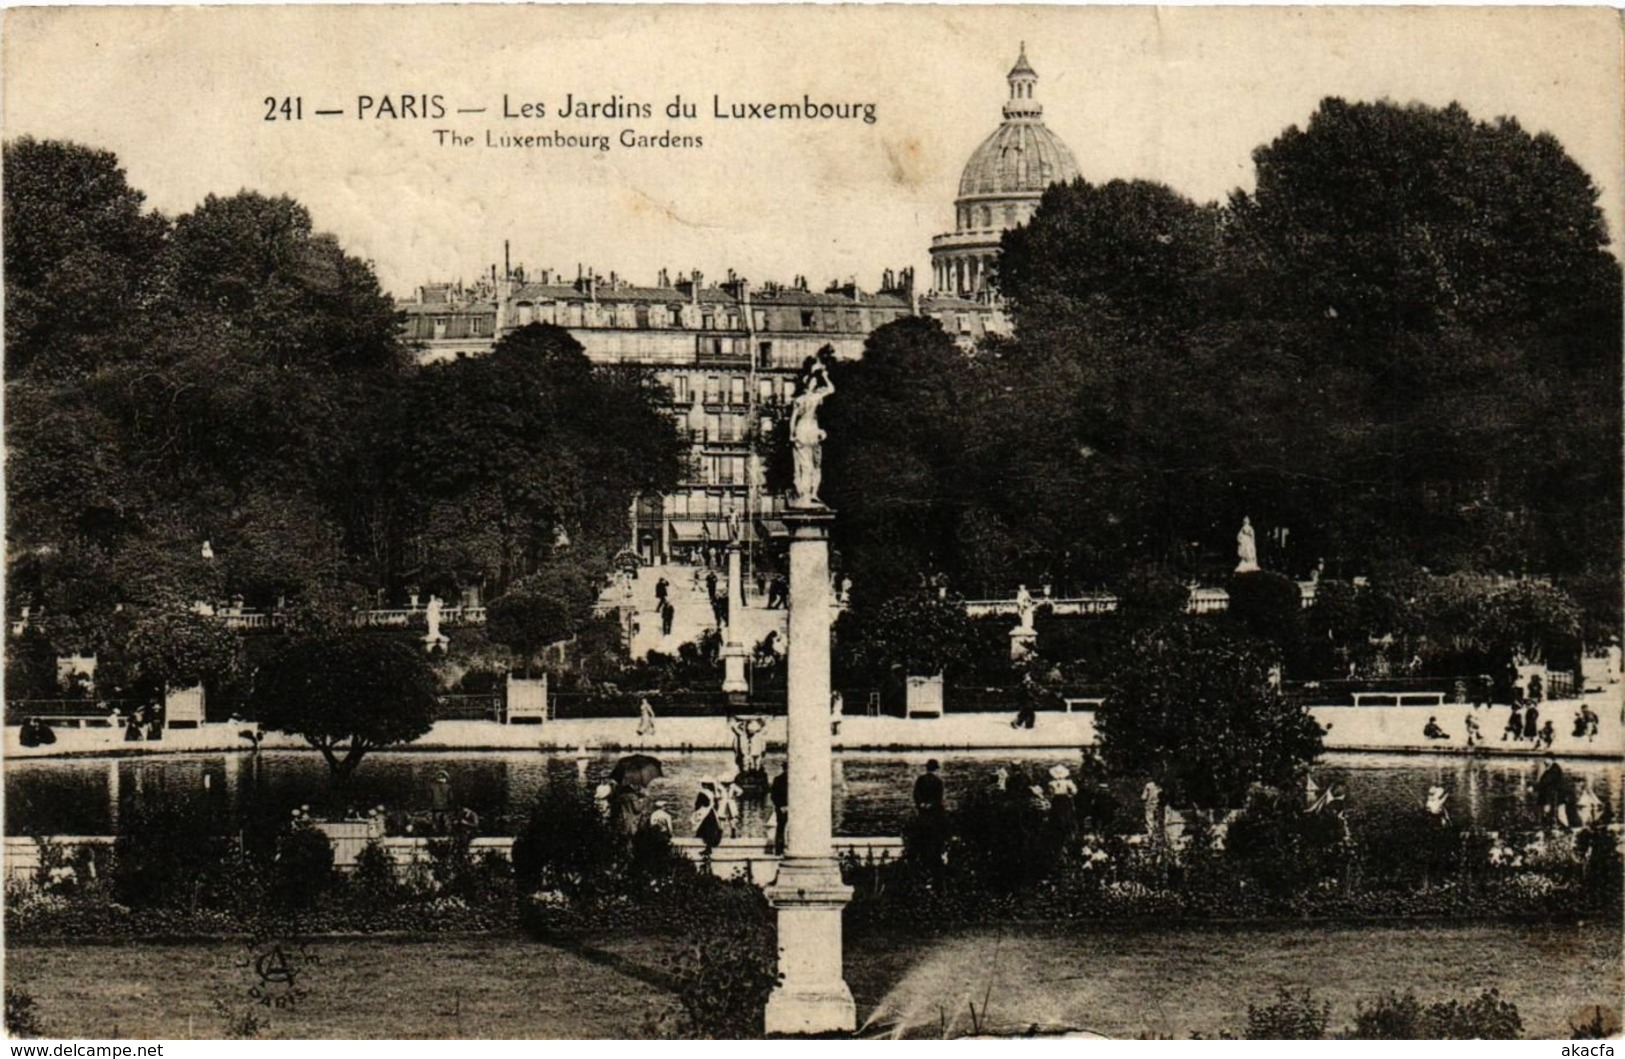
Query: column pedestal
(812, 996)
(734, 654)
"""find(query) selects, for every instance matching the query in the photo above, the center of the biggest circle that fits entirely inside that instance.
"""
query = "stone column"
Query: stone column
(812, 996)
(112, 796)
(734, 654)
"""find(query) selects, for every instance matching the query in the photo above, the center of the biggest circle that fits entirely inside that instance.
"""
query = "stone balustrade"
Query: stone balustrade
(1202, 601)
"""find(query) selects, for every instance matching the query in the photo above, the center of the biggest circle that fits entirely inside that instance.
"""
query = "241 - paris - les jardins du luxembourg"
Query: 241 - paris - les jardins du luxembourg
(437, 107)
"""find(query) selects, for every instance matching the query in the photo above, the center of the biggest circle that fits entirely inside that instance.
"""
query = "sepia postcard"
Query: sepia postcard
(895, 522)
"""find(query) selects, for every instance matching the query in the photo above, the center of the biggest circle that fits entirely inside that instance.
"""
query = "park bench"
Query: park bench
(1399, 698)
(61, 713)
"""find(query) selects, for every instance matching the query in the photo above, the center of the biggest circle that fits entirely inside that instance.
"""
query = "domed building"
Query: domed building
(1000, 188)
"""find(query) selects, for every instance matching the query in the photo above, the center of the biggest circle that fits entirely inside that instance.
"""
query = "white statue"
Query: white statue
(806, 437)
(1024, 608)
(1246, 548)
(435, 638)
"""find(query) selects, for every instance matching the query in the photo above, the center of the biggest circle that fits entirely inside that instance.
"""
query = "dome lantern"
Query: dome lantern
(1023, 80)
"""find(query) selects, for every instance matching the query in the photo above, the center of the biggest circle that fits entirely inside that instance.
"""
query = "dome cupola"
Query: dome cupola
(1000, 186)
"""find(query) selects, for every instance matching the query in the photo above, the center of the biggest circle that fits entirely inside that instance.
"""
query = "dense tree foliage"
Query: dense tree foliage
(543, 608)
(346, 694)
(1402, 349)
(528, 456)
(1191, 706)
(220, 406)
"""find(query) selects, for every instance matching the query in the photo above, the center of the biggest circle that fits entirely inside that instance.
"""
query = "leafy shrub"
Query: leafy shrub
(22, 1014)
(1404, 1018)
(1282, 849)
(486, 878)
(728, 964)
(374, 874)
(171, 855)
(1292, 1017)
(567, 845)
(303, 869)
(1601, 1024)
(1267, 605)
(1415, 850)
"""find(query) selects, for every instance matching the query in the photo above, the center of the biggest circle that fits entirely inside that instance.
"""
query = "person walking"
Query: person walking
(704, 818)
(1551, 792)
(931, 822)
(728, 793)
(1531, 722)
(1474, 737)
(440, 800)
(1514, 726)
(646, 717)
(1027, 712)
(1063, 814)
(711, 585)
(778, 792)
(662, 586)
(667, 614)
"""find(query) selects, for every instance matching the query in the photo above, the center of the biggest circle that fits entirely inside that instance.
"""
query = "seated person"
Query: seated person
(1433, 731)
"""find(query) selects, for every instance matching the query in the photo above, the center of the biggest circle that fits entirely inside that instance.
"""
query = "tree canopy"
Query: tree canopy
(1401, 346)
(220, 405)
(346, 694)
(1191, 706)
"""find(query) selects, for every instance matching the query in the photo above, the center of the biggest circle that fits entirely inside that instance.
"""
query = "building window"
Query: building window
(736, 389)
(806, 319)
(764, 354)
(679, 389)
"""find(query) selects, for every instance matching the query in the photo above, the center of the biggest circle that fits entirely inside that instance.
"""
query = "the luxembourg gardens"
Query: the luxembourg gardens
(1226, 648)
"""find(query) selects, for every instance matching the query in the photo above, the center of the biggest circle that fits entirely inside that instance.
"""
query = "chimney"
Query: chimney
(694, 279)
(507, 262)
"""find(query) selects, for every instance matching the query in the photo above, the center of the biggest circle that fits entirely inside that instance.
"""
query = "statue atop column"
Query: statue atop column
(1246, 548)
(806, 437)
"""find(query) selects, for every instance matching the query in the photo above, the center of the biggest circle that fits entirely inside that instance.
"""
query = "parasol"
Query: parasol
(636, 770)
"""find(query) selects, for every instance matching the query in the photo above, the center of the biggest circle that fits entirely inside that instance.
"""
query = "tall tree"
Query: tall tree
(79, 248)
(547, 449)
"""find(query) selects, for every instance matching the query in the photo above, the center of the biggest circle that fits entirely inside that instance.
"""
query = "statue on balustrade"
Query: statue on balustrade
(1246, 548)
(806, 437)
(431, 614)
(1025, 608)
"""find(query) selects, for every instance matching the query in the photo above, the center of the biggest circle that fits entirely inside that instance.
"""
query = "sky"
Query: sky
(1178, 95)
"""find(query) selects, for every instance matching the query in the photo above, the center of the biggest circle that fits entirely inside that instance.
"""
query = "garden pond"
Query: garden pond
(79, 796)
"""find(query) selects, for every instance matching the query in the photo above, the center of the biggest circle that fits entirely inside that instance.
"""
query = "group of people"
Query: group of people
(716, 810)
(1523, 725)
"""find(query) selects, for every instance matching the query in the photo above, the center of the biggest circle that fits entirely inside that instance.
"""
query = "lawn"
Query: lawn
(491, 987)
(1186, 980)
(1120, 982)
